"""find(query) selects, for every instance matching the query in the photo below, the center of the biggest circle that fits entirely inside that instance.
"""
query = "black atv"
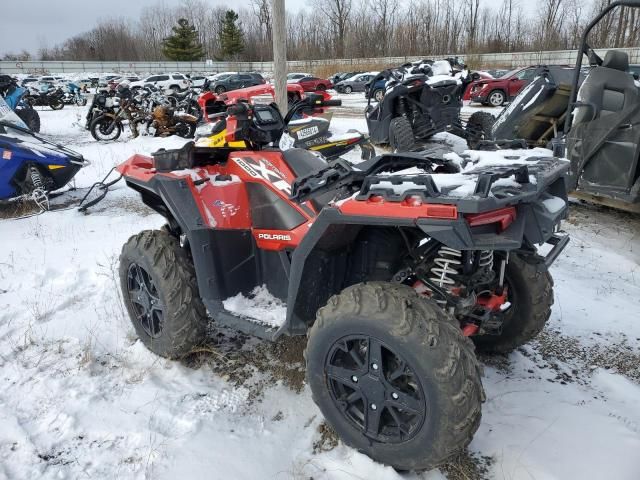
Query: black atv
(419, 102)
(599, 133)
(392, 277)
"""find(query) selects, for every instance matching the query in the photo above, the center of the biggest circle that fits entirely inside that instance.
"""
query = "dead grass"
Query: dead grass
(18, 208)
(467, 466)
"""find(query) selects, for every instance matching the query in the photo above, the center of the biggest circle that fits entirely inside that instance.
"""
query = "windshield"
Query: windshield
(8, 117)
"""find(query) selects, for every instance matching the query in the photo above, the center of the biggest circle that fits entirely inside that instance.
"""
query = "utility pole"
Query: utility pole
(279, 54)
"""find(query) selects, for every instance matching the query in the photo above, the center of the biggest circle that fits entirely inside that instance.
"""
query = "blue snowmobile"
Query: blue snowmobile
(15, 96)
(30, 165)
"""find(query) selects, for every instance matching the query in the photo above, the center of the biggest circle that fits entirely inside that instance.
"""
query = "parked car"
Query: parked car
(357, 83)
(220, 75)
(496, 92)
(484, 75)
(197, 81)
(497, 72)
(50, 79)
(294, 77)
(313, 84)
(338, 77)
(635, 71)
(29, 80)
(167, 81)
(236, 81)
(84, 82)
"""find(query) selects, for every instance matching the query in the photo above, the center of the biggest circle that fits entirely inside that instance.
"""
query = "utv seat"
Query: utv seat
(608, 88)
(303, 162)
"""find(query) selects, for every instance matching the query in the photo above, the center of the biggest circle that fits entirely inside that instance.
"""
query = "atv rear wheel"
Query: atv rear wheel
(30, 117)
(530, 292)
(401, 138)
(160, 292)
(496, 98)
(479, 128)
(393, 375)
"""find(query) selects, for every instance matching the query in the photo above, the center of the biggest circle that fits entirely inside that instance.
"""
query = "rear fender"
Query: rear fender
(319, 262)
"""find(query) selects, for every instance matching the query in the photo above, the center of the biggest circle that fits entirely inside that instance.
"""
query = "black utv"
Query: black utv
(590, 115)
(418, 103)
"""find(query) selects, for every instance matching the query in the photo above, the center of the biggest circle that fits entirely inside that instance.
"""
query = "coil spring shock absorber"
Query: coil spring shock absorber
(486, 259)
(36, 178)
(38, 193)
(448, 262)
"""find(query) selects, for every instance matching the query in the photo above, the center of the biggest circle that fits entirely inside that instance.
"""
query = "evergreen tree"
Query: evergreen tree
(231, 36)
(183, 45)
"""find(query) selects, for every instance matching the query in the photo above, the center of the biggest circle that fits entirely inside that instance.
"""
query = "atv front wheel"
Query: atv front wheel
(160, 292)
(393, 375)
(401, 138)
(530, 293)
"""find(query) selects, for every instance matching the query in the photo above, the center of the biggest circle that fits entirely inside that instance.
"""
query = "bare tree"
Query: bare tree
(338, 12)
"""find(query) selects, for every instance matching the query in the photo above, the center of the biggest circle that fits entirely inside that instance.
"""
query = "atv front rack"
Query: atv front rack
(531, 180)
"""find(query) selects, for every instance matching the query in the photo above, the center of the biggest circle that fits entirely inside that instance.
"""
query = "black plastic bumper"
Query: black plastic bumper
(559, 243)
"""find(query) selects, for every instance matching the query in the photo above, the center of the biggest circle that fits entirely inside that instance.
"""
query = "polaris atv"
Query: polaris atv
(420, 101)
(600, 131)
(392, 274)
(308, 126)
(31, 166)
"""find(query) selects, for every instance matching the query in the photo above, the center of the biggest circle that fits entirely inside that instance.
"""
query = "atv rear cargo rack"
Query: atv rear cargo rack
(364, 179)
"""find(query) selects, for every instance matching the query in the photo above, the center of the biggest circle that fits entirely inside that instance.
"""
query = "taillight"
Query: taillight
(502, 217)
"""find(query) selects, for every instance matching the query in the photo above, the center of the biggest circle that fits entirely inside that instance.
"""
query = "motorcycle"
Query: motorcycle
(103, 102)
(14, 97)
(107, 124)
(148, 108)
(186, 102)
(72, 96)
(48, 97)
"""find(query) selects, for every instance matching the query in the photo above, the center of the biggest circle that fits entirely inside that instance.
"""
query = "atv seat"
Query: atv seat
(302, 163)
(608, 89)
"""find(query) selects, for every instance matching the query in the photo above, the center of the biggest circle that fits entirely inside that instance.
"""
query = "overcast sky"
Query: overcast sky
(46, 22)
(37, 23)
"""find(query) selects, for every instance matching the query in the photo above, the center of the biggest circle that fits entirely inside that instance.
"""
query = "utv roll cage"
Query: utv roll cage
(594, 59)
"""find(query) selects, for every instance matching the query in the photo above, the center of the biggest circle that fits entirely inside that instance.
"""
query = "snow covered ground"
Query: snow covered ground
(81, 398)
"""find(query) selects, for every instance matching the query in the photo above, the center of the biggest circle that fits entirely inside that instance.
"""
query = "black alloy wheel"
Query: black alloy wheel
(145, 299)
(375, 389)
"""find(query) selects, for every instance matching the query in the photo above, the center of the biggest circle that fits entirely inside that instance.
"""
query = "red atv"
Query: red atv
(392, 276)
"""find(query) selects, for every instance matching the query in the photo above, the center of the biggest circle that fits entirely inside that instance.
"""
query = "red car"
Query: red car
(313, 84)
(500, 90)
(483, 76)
